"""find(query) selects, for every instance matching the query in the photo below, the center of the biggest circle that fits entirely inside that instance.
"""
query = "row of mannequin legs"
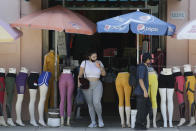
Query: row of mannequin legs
(124, 92)
(33, 92)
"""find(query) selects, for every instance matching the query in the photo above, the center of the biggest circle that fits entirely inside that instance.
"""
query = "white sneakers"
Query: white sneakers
(101, 124)
(94, 124)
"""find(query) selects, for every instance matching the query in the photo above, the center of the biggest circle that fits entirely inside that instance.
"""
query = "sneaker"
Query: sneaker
(101, 124)
(92, 125)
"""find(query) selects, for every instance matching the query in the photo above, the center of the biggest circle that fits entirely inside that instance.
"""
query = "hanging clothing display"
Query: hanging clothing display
(179, 89)
(159, 61)
(21, 82)
(190, 90)
(66, 88)
(49, 66)
(145, 46)
(9, 86)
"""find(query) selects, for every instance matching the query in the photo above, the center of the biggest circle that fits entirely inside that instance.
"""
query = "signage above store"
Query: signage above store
(177, 15)
(105, 3)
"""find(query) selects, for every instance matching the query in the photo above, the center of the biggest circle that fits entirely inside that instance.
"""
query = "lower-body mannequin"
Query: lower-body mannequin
(152, 91)
(167, 93)
(66, 88)
(124, 93)
(50, 94)
(18, 109)
(33, 93)
(2, 121)
(43, 92)
(93, 97)
(190, 89)
(9, 86)
(2, 93)
(20, 96)
(179, 88)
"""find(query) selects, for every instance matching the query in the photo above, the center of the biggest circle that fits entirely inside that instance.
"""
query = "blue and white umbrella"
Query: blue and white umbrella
(139, 23)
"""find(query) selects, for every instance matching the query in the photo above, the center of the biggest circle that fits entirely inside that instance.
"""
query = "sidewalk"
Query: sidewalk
(111, 124)
(107, 128)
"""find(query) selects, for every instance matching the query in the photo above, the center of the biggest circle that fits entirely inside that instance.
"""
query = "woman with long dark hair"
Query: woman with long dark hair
(92, 69)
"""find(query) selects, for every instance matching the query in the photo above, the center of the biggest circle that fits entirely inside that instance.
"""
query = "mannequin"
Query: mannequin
(21, 87)
(124, 89)
(66, 88)
(2, 93)
(166, 90)
(190, 89)
(49, 66)
(179, 89)
(9, 86)
(43, 82)
(152, 91)
(32, 84)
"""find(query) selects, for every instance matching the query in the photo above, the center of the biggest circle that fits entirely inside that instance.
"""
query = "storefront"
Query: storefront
(122, 45)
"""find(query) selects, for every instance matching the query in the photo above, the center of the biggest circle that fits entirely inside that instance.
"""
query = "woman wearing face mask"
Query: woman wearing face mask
(93, 69)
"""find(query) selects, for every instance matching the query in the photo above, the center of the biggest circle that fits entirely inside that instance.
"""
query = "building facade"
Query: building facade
(28, 51)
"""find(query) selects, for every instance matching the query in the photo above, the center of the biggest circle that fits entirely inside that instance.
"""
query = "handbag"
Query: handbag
(79, 98)
(84, 81)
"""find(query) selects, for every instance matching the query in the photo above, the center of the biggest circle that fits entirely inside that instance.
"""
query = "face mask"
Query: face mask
(93, 60)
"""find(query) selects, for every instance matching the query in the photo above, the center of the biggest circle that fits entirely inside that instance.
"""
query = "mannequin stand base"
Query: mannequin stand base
(182, 121)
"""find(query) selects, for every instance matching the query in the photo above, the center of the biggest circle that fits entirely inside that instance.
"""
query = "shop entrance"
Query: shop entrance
(124, 52)
(122, 45)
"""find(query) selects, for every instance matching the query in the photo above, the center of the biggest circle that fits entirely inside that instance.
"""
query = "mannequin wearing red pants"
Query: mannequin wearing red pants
(2, 94)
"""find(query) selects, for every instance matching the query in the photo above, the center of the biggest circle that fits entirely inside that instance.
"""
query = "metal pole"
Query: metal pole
(55, 64)
(138, 48)
(63, 3)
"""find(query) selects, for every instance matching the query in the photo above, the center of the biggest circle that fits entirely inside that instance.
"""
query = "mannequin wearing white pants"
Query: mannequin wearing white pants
(33, 94)
(43, 92)
(18, 109)
(166, 90)
(167, 94)
(19, 101)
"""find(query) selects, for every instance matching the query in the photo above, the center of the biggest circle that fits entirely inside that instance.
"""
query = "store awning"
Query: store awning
(59, 19)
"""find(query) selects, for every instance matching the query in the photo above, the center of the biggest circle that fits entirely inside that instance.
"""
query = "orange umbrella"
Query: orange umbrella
(58, 18)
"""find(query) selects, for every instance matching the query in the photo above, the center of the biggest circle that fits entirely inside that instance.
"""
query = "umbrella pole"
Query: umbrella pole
(55, 64)
(138, 48)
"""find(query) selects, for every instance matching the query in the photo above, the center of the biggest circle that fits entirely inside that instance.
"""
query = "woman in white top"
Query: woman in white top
(93, 70)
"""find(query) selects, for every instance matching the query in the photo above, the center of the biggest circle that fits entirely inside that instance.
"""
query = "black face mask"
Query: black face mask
(93, 60)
